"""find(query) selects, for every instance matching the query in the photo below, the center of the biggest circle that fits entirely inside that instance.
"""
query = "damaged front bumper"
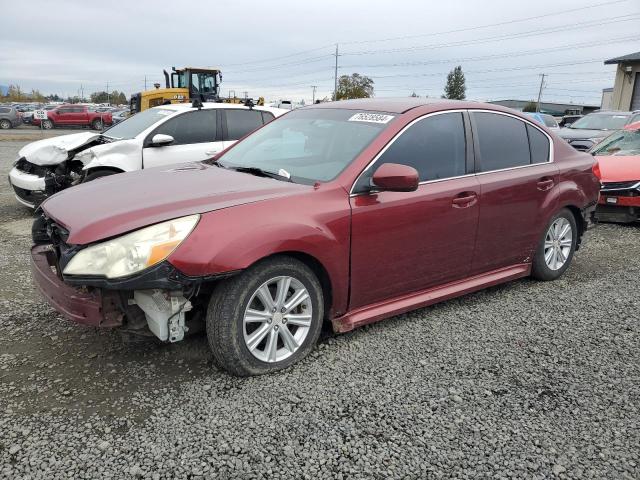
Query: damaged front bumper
(29, 189)
(80, 305)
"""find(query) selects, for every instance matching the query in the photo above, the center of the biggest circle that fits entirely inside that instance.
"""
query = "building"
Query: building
(556, 109)
(626, 90)
(607, 96)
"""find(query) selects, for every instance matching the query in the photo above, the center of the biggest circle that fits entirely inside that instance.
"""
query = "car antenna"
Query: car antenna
(197, 103)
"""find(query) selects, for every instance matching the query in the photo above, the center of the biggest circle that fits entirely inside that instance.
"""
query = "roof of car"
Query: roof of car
(208, 105)
(391, 105)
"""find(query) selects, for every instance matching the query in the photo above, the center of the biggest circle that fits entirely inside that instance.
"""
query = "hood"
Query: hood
(117, 204)
(622, 168)
(581, 133)
(52, 151)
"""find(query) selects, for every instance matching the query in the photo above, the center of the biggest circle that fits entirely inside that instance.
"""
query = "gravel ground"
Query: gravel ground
(525, 380)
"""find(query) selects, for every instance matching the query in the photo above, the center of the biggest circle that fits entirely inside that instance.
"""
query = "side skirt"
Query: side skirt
(412, 301)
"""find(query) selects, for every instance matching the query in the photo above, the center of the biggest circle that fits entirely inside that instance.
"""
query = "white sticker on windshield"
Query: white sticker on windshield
(371, 117)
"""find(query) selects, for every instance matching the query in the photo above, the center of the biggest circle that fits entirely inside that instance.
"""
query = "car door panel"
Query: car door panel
(416, 240)
(515, 201)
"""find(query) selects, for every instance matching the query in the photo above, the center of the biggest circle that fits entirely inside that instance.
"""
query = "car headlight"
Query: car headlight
(133, 252)
(85, 156)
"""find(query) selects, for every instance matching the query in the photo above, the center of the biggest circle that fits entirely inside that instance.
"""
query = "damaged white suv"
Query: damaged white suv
(165, 135)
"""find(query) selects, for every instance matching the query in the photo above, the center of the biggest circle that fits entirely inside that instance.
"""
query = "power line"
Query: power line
(468, 29)
(540, 31)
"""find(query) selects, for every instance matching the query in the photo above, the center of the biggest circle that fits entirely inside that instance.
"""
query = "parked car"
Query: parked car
(9, 117)
(544, 119)
(156, 137)
(592, 128)
(119, 116)
(74, 115)
(568, 120)
(619, 158)
(349, 212)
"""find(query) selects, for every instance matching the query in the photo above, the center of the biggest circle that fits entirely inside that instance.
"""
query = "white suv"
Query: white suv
(160, 136)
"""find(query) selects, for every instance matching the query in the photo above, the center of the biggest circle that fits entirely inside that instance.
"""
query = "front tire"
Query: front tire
(47, 124)
(267, 318)
(5, 124)
(96, 124)
(556, 247)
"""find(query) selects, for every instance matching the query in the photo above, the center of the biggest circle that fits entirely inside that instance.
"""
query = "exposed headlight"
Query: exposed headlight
(85, 156)
(132, 252)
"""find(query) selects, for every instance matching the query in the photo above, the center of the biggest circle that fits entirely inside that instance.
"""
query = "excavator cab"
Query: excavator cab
(202, 83)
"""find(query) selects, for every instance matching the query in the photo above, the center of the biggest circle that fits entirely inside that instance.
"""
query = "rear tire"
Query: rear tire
(251, 336)
(5, 124)
(556, 247)
(98, 174)
(48, 124)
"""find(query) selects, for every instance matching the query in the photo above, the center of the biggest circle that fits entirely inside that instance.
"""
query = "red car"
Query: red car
(619, 159)
(348, 212)
(75, 115)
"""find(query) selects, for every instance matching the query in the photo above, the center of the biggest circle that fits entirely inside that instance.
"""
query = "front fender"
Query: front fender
(123, 155)
(316, 224)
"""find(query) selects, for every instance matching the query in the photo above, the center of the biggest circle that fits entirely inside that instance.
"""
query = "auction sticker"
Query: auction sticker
(371, 118)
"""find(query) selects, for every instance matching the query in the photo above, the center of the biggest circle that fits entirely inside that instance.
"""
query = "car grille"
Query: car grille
(27, 167)
(621, 189)
(29, 196)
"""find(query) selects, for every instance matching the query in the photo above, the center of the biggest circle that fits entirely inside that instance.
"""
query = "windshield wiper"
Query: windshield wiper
(282, 174)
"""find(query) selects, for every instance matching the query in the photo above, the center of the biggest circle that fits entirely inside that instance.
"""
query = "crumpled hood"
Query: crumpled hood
(52, 151)
(117, 204)
(573, 133)
(621, 168)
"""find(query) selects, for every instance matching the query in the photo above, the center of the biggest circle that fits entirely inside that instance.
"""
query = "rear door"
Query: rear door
(64, 116)
(403, 242)
(196, 138)
(239, 122)
(517, 176)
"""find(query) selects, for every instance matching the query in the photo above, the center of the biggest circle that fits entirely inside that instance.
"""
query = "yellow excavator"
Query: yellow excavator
(184, 85)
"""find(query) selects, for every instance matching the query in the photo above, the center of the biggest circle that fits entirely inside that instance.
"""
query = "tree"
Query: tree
(530, 107)
(455, 88)
(354, 86)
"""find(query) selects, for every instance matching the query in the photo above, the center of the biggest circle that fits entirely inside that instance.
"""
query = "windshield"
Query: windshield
(310, 144)
(134, 125)
(623, 142)
(600, 121)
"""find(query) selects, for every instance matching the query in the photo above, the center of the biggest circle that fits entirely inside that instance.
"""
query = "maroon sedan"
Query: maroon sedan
(347, 212)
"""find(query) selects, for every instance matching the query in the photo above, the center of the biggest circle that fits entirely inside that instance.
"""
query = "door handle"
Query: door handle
(545, 184)
(464, 200)
(212, 152)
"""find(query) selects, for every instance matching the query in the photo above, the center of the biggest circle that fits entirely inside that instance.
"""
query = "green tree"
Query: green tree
(455, 88)
(354, 86)
(530, 107)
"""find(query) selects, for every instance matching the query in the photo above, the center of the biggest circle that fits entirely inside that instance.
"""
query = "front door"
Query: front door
(517, 182)
(409, 241)
(195, 135)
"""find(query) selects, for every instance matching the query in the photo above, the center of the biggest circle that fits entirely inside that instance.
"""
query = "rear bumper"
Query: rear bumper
(87, 307)
(618, 208)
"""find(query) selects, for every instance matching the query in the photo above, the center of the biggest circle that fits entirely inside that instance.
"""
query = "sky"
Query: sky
(281, 48)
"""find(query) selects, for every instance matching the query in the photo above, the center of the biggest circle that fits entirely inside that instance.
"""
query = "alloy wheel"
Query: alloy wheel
(277, 319)
(558, 243)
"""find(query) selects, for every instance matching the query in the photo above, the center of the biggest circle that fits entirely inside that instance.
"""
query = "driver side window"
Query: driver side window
(188, 128)
(435, 146)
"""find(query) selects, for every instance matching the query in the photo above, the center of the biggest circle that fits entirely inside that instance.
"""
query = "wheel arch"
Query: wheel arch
(91, 170)
(580, 222)
(316, 267)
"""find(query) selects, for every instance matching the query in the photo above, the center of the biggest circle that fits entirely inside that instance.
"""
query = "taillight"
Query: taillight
(596, 170)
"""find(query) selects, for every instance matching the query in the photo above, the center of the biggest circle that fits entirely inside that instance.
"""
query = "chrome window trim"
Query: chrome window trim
(460, 110)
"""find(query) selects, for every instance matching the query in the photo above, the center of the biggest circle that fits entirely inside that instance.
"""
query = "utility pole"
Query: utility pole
(335, 77)
(540, 91)
(81, 93)
(145, 83)
(108, 99)
(314, 93)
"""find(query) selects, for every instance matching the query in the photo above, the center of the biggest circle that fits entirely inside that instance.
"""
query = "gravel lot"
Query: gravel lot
(526, 380)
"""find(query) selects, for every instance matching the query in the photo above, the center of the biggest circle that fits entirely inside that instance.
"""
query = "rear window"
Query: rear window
(502, 141)
(539, 145)
(5, 110)
(241, 122)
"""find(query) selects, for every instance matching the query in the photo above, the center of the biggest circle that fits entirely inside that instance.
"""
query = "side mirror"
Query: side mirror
(161, 140)
(393, 177)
